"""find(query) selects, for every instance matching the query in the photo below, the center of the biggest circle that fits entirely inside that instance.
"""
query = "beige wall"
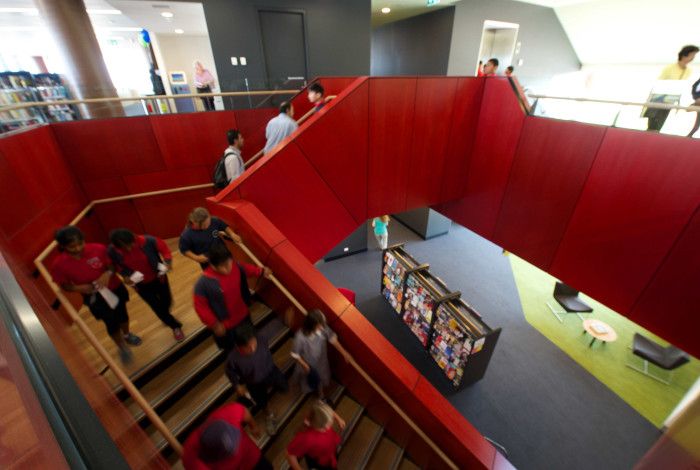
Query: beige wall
(178, 53)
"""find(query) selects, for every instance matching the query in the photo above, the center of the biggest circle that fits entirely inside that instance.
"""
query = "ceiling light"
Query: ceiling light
(179, 31)
(386, 10)
(97, 11)
(167, 14)
(121, 28)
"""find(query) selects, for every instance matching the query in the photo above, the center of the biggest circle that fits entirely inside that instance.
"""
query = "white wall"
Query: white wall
(177, 52)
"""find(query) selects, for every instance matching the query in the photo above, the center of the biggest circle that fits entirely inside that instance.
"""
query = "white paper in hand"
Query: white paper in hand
(136, 277)
(162, 269)
(110, 297)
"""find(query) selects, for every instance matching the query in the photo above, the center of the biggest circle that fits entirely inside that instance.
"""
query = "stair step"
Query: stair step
(191, 406)
(168, 382)
(351, 412)
(258, 313)
(359, 447)
(277, 451)
(408, 465)
(387, 455)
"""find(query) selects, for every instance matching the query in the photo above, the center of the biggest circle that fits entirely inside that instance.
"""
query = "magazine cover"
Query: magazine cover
(451, 345)
(392, 281)
(418, 309)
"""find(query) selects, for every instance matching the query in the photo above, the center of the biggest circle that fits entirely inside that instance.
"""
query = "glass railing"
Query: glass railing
(664, 115)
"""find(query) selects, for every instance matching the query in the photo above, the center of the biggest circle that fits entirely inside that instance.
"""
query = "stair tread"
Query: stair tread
(350, 411)
(408, 465)
(360, 445)
(386, 456)
(258, 312)
(165, 384)
(178, 417)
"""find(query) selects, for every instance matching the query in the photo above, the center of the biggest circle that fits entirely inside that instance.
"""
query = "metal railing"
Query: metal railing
(134, 391)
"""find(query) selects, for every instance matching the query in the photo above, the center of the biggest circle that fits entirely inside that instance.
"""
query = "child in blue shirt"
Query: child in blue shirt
(380, 230)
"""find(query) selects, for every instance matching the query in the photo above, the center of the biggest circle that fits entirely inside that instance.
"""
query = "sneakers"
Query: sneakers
(271, 424)
(132, 339)
(126, 356)
(178, 334)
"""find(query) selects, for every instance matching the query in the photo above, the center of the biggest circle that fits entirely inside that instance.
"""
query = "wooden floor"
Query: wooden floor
(157, 338)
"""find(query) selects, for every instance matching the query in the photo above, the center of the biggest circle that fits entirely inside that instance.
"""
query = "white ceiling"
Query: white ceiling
(134, 16)
(631, 31)
(555, 3)
(401, 9)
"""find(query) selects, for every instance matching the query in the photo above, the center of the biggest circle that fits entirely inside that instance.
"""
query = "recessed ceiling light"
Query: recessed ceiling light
(93, 11)
(386, 10)
(167, 14)
(179, 31)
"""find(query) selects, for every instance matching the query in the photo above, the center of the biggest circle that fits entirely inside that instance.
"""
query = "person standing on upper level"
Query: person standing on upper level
(490, 67)
(280, 127)
(144, 262)
(696, 96)
(201, 233)
(222, 295)
(679, 70)
(204, 82)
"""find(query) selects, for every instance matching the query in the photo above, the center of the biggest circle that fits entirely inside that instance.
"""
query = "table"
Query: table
(590, 325)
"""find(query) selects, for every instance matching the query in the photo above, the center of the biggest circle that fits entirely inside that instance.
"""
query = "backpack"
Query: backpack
(219, 179)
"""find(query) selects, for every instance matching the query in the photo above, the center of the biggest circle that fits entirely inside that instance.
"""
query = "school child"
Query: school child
(86, 268)
(144, 261)
(318, 442)
(380, 231)
(222, 296)
(310, 350)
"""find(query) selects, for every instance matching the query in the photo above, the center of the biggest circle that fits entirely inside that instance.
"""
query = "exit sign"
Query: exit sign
(433, 2)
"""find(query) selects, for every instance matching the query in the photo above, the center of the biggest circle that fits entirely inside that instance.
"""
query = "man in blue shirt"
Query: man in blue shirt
(280, 127)
(201, 233)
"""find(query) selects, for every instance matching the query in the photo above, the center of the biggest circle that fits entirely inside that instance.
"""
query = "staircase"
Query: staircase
(188, 381)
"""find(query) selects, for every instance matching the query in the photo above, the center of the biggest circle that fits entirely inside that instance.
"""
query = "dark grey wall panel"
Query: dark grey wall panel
(337, 37)
(415, 46)
(545, 47)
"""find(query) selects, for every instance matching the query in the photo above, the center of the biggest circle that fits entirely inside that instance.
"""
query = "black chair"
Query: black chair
(668, 358)
(568, 298)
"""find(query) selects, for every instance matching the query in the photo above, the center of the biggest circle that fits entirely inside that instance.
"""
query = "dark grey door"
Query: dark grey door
(284, 46)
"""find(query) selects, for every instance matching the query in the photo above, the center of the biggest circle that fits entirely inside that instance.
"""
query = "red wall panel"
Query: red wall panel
(336, 146)
(641, 192)
(391, 108)
(293, 196)
(165, 216)
(548, 173)
(498, 132)
(674, 290)
(431, 128)
(463, 125)
(101, 148)
(192, 139)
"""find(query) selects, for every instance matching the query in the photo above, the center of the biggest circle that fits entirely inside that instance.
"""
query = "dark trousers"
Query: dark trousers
(113, 318)
(208, 101)
(274, 379)
(263, 464)
(311, 464)
(157, 295)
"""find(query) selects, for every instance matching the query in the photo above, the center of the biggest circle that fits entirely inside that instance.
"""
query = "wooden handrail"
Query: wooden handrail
(647, 104)
(31, 104)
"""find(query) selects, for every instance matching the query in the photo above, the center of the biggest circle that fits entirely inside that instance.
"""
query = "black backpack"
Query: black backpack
(219, 179)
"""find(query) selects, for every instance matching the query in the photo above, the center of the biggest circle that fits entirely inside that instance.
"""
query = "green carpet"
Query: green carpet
(650, 398)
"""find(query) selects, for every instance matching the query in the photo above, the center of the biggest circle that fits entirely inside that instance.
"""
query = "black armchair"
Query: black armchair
(668, 358)
(568, 298)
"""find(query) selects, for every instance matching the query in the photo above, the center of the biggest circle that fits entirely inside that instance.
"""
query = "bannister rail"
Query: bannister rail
(134, 391)
(647, 104)
(31, 104)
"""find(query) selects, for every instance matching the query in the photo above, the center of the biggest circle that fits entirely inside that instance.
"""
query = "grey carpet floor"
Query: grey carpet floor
(546, 410)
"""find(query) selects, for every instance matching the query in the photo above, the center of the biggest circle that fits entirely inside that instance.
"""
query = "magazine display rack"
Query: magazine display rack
(450, 330)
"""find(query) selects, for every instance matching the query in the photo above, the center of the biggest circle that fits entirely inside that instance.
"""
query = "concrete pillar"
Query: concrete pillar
(72, 31)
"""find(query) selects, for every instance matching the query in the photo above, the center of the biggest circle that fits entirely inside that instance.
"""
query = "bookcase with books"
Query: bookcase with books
(450, 330)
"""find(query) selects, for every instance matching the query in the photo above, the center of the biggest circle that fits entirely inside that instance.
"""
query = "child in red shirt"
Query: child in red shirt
(221, 444)
(86, 268)
(318, 442)
(144, 261)
(221, 295)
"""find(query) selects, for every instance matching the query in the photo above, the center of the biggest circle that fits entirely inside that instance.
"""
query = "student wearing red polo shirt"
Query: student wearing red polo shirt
(221, 444)
(221, 295)
(317, 442)
(144, 261)
(86, 268)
